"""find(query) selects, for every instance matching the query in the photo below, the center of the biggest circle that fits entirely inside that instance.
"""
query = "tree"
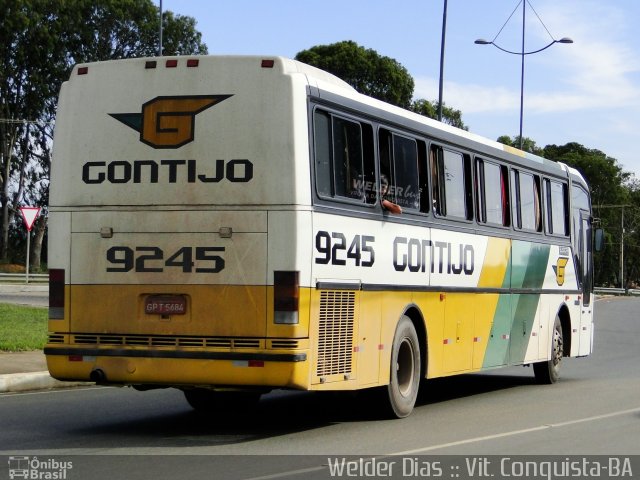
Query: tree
(364, 69)
(609, 192)
(528, 145)
(42, 40)
(376, 76)
(32, 60)
(632, 235)
(605, 177)
(112, 29)
(429, 109)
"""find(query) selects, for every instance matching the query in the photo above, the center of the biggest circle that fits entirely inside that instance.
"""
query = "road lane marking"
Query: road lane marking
(57, 390)
(517, 432)
(459, 442)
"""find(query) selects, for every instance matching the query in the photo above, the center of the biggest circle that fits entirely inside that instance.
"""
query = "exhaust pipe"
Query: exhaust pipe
(98, 376)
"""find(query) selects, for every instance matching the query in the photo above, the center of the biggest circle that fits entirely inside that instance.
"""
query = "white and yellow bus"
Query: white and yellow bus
(232, 225)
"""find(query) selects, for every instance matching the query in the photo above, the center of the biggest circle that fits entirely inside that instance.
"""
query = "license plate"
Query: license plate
(166, 305)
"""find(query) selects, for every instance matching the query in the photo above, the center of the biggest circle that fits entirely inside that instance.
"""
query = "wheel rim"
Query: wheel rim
(557, 347)
(405, 367)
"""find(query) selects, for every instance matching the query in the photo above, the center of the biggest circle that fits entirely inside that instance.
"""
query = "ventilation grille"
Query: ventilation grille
(56, 338)
(335, 343)
(288, 344)
(166, 341)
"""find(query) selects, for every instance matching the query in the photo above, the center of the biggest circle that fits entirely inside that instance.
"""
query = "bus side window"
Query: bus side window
(557, 218)
(492, 193)
(343, 157)
(347, 158)
(452, 187)
(436, 184)
(526, 201)
(322, 136)
(403, 163)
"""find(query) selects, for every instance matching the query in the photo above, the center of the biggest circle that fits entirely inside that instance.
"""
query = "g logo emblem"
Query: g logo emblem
(168, 122)
(559, 269)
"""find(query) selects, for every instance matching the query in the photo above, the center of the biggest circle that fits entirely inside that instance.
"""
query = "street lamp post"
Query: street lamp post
(522, 54)
(441, 82)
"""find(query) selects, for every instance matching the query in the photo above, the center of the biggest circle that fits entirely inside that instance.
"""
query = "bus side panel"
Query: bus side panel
(492, 344)
(529, 264)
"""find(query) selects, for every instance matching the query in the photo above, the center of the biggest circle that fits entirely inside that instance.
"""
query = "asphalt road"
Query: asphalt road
(593, 410)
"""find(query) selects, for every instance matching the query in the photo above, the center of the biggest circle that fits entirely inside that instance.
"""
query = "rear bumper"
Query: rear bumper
(179, 367)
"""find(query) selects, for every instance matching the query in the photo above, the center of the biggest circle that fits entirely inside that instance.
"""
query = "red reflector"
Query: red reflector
(286, 291)
(171, 63)
(83, 70)
(75, 358)
(256, 363)
(268, 63)
(150, 64)
(193, 62)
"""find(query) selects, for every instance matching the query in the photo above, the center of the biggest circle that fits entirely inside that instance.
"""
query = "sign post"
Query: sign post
(29, 215)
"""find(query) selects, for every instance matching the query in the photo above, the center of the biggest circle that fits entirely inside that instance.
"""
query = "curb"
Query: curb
(22, 382)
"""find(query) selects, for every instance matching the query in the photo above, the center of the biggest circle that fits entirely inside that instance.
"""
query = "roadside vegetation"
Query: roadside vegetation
(22, 328)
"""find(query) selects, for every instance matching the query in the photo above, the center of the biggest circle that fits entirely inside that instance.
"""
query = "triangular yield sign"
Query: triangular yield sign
(29, 214)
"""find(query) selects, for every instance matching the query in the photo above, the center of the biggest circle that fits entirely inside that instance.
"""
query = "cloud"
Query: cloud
(598, 71)
(469, 98)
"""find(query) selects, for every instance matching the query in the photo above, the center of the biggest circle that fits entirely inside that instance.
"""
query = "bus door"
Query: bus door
(585, 257)
(458, 332)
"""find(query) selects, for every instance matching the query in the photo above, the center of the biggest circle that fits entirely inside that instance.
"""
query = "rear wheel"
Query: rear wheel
(220, 402)
(548, 372)
(402, 390)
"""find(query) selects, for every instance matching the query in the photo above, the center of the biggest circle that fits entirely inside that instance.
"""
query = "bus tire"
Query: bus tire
(214, 402)
(548, 372)
(404, 381)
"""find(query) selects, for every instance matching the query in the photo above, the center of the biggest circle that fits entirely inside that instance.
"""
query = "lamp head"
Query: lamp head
(565, 40)
(482, 41)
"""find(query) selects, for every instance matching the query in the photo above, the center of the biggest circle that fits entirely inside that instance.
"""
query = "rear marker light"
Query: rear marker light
(286, 293)
(56, 294)
(171, 63)
(193, 62)
(83, 70)
(150, 64)
(268, 63)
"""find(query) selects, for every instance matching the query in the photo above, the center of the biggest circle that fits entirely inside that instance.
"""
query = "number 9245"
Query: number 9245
(152, 259)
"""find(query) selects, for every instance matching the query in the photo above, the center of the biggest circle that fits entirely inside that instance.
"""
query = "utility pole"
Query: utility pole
(622, 247)
(621, 207)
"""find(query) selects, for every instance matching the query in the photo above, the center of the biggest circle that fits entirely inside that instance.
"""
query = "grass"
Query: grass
(22, 328)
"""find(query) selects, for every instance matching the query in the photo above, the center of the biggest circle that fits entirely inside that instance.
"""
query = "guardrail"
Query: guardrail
(22, 277)
(615, 291)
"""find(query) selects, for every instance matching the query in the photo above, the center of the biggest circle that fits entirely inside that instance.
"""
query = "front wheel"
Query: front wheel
(548, 372)
(402, 390)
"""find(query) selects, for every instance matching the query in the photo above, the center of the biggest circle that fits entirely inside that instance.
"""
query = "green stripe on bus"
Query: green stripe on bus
(515, 314)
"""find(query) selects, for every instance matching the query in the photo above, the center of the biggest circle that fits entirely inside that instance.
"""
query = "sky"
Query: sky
(586, 92)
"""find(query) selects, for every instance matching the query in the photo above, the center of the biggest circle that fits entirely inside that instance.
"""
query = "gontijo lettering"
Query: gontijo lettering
(417, 255)
(174, 171)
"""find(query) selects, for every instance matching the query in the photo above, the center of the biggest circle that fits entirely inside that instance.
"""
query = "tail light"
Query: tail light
(286, 290)
(56, 294)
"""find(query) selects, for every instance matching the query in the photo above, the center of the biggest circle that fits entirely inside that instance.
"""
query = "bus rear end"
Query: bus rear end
(173, 197)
